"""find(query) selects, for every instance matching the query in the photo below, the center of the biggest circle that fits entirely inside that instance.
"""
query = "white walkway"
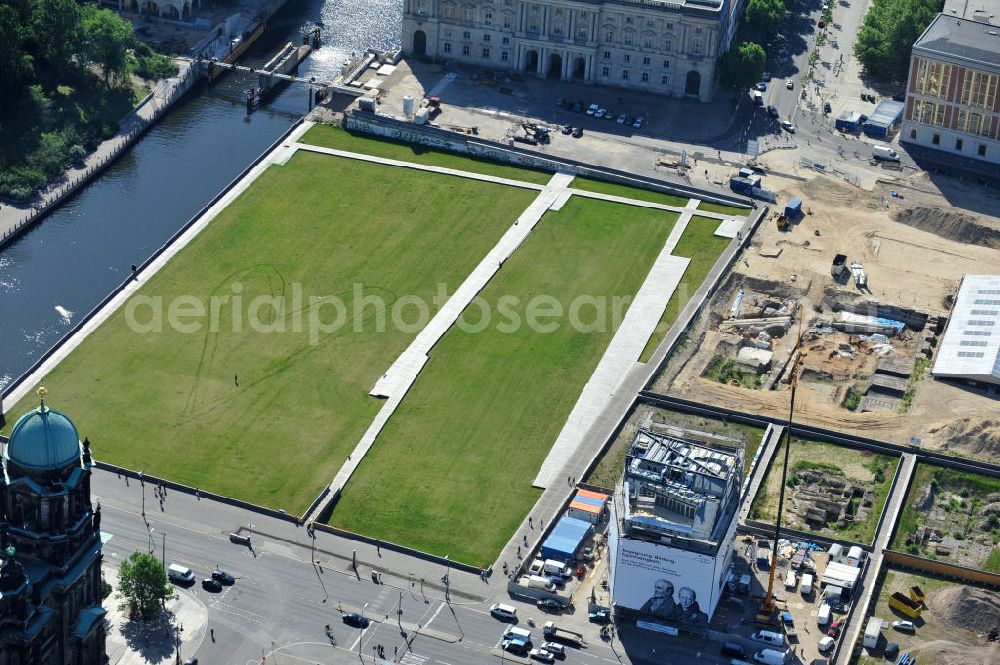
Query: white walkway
(622, 353)
(399, 378)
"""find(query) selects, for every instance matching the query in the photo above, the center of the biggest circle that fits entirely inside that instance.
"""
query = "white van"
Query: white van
(506, 612)
(557, 568)
(180, 574)
(807, 584)
(514, 631)
(823, 617)
(770, 657)
(539, 582)
(790, 581)
(769, 637)
(885, 153)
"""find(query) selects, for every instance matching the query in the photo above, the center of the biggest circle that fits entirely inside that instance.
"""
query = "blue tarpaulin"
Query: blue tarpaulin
(794, 208)
(565, 540)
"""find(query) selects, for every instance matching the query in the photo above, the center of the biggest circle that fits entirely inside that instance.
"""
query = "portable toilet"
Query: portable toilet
(836, 549)
(793, 209)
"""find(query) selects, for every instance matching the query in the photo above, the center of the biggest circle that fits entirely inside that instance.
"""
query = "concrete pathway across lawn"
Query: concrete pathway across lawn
(622, 353)
(398, 379)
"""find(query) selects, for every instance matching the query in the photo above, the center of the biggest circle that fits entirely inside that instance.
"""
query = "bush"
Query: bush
(50, 155)
(19, 183)
(151, 65)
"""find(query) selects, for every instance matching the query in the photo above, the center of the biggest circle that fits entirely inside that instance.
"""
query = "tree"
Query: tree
(887, 35)
(107, 39)
(740, 67)
(762, 17)
(57, 33)
(143, 585)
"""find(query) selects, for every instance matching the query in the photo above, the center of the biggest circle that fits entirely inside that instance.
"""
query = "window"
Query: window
(505, 40)
(977, 333)
(984, 312)
(468, 13)
(958, 144)
(987, 292)
(973, 123)
(664, 79)
(628, 58)
(913, 135)
(504, 56)
(486, 53)
(645, 61)
(466, 50)
(666, 45)
(508, 19)
(624, 74)
(447, 33)
(605, 71)
(933, 78)
(980, 322)
(670, 26)
(697, 31)
(628, 19)
(645, 77)
(666, 64)
(972, 342)
(447, 47)
(486, 36)
(985, 301)
(979, 89)
(648, 43)
(981, 151)
(609, 36)
(466, 35)
(696, 48)
(607, 55)
(970, 354)
(936, 139)
(488, 17)
(629, 35)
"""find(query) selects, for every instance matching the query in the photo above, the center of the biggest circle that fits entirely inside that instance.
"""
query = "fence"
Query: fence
(941, 568)
(115, 146)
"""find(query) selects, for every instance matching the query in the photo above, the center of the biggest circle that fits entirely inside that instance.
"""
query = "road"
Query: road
(281, 601)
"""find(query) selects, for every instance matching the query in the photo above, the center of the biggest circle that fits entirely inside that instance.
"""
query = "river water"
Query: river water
(62, 268)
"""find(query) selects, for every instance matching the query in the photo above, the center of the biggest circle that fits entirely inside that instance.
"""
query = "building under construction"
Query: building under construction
(673, 524)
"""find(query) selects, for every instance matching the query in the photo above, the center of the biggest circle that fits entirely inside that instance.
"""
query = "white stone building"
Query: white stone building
(657, 46)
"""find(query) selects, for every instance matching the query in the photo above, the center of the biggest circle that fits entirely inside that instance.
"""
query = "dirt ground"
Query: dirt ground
(952, 628)
(907, 266)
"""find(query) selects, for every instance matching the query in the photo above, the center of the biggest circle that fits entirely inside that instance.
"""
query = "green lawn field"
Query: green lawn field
(703, 247)
(167, 403)
(451, 472)
(614, 189)
(333, 136)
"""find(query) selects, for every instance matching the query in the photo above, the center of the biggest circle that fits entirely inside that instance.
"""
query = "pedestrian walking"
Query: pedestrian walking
(236, 379)
(212, 633)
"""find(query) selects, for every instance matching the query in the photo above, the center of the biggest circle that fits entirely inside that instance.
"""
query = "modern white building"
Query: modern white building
(970, 348)
(659, 46)
(672, 528)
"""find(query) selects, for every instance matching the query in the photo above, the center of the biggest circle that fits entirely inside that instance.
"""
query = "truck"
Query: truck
(873, 632)
(838, 271)
(553, 632)
(744, 186)
(906, 605)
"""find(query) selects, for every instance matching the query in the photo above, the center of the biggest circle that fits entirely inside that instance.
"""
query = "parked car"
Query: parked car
(766, 76)
(891, 650)
(551, 605)
(566, 129)
(834, 630)
(593, 109)
(355, 619)
(211, 584)
(560, 102)
(610, 116)
(904, 626)
(557, 650)
(191, 661)
(827, 108)
(577, 132)
(773, 112)
(622, 119)
(223, 577)
(760, 87)
(541, 655)
(639, 122)
(825, 644)
(578, 107)
(790, 84)
(599, 113)
(599, 616)
(788, 126)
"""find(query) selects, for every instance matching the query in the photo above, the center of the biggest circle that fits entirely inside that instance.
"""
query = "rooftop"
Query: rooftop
(984, 11)
(976, 42)
(970, 348)
(676, 486)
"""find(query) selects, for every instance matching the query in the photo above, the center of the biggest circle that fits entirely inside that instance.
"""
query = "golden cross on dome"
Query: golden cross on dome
(42, 392)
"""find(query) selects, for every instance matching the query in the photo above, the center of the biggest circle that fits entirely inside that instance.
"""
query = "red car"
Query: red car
(834, 630)
(581, 571)
(821, 23)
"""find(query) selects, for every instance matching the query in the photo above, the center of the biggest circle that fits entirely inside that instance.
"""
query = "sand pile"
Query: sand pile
(966, 608)
(972, 436)
(950, 224)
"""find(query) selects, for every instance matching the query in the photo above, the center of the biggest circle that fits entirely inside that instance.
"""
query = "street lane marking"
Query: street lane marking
(434, 616)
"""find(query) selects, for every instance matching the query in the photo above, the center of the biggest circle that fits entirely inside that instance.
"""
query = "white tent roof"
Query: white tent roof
(970, 348)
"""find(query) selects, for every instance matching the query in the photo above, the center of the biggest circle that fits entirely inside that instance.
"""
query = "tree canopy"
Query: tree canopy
(762, 17)
(55, 108)
(887, 35)
(143, 585)
(741, 66)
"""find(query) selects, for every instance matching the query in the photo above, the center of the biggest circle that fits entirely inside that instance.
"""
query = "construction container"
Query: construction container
(906, 605)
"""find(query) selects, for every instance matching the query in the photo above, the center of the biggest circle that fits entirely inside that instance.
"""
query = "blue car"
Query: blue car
(761, 86)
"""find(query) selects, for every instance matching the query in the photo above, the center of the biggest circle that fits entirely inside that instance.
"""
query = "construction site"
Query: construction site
(868, 277)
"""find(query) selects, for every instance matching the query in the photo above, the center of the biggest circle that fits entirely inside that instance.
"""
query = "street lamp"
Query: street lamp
(447, 578)
(362, 628)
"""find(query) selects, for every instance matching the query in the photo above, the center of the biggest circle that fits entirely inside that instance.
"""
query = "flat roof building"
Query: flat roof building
(673, 524)
(970, 347)
(952, 100)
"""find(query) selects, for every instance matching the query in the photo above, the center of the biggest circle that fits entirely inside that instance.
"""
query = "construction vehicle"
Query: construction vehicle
(557, 634)
(783, 222)
(839, 268)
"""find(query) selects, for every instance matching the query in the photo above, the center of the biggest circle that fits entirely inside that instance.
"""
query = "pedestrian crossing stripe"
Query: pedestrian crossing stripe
(410, 658)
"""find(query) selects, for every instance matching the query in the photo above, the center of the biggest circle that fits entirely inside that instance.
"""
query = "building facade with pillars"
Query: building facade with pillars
(50, 547)
(953, 91)
(661, 47)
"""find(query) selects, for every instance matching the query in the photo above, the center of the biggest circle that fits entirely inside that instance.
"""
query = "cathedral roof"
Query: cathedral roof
(43, 439)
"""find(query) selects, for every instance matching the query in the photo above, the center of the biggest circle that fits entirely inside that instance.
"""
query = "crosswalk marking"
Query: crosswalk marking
(410, 658)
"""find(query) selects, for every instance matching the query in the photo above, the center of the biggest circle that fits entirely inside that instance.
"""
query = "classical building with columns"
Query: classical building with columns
(656, 46)
(50, 546)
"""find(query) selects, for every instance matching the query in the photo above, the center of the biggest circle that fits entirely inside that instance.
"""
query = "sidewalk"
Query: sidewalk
(166, 92)
(152, 642)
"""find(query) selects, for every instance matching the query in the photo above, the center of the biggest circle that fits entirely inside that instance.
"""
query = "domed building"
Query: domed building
(50, 546)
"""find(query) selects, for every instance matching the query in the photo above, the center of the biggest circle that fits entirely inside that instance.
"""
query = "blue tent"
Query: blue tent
(793, 209)
(886, 116)
(565, 540)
